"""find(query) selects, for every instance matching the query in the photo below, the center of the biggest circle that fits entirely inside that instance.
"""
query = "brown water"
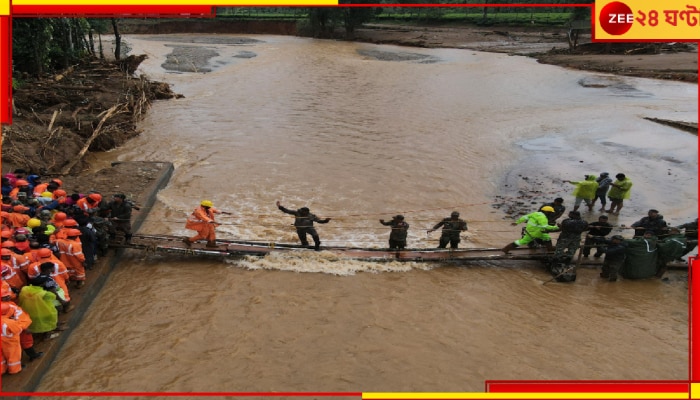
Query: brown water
(330, 126)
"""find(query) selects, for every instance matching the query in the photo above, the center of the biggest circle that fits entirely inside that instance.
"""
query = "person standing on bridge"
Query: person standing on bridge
(304, 222)
(536, 228)
(202, 221)
(119, 214)
(451, 228)
(399, 232)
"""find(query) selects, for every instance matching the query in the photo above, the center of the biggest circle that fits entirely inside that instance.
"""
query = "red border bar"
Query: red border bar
(154, 11)
(693, 315)
(587, 387)
(6, 69)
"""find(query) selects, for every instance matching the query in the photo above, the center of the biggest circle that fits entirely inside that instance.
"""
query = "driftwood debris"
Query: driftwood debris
(107, 114)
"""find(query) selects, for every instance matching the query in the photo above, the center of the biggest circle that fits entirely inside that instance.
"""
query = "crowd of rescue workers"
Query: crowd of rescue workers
(51, 238)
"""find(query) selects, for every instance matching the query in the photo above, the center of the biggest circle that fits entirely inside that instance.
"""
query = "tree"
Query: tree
(356, 16)
(117, 40)
(31, 44)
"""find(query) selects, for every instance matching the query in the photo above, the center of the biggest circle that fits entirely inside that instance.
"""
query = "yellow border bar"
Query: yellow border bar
(170, 2)
(468, 395)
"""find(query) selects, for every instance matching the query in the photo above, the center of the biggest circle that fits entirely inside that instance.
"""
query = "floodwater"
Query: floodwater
(359, 132)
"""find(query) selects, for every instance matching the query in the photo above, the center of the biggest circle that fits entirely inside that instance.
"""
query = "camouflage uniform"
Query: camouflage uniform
(570, 238)
(450, 231)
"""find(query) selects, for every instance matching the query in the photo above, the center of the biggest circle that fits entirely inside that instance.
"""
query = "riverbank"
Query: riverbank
(147, 179)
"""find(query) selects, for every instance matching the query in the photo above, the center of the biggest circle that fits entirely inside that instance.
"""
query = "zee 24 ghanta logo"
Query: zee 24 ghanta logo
(616, 18)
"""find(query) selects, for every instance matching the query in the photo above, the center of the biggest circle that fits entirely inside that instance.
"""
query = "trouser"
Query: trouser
(397, 244)
(452, 240)
(602, 198)
(205, 231)
(76, 272)
(594, 241)
(611, 269)
(12, 354)
(302, 232)
(567, 245)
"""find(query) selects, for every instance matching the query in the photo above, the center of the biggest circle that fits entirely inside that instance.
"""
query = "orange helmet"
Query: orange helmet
(73, 232)
(7, 244)
(21, 182)
(95, 196)
(70, 222)
(5, 252)
(60, 217)
(59, 193)
(58, 181)
(6, 234)
(44, 253)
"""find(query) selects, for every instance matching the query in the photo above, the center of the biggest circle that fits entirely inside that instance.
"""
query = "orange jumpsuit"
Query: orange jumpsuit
(84, 205)
(59, 274)
(26, 339)
(19, 264)
(11, 347)
(18, 220)
(200, 221)
(10, 276)
(72, 256)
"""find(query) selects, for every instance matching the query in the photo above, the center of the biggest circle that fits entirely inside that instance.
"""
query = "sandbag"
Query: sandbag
(640, 259)
(39, 304)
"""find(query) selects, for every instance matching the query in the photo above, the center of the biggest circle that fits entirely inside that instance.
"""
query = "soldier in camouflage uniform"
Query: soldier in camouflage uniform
(451, 228)
(570, 237)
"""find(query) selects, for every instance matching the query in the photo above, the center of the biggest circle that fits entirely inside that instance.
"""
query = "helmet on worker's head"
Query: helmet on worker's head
(206, 203)
(547, 209)
(33, 223)
(21, 182)
(73, 232)
(6, 244)
(44, 252)
(60, 216)
(58, 181)
(59, 193)
(70, 222)
(96, 197)
(5, 252)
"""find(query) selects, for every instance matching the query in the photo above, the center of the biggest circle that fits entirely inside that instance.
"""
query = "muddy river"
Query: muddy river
(359, 132)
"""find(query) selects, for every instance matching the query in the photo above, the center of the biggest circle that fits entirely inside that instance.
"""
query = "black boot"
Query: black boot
(509, 247)
(317, 246)
(33, 354)
(127, 238)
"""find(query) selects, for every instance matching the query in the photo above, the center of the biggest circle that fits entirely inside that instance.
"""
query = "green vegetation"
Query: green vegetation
(44, 45)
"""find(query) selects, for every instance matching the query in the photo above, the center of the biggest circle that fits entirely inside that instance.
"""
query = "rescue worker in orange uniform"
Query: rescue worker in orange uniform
(11, 273)
(21, 186)
(202, 221)
(19, 217)
(26, 339)
(59, 272)
(90, 204)
(11, 347)
(72, 256)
